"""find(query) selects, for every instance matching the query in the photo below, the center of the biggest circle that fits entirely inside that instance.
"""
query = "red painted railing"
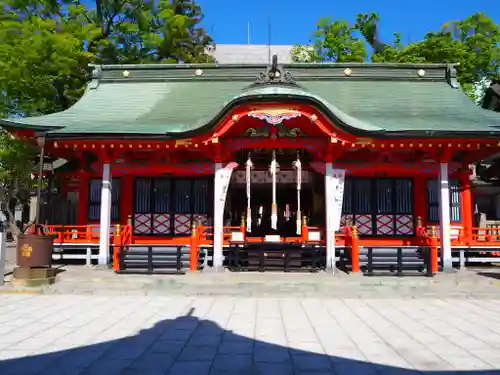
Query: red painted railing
(475, 237)
(75, 233)
(352, 242)
(121, 238)
(430, 240)
(423, 238)
(484, 237)
(203, 235)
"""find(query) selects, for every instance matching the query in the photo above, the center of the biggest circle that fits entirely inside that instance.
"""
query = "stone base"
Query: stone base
(34, 276)
(332, 270)
(102, 267)
(219, 269)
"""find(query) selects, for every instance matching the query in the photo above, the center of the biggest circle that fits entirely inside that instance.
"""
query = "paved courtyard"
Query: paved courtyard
(77, 334)
(479, 284)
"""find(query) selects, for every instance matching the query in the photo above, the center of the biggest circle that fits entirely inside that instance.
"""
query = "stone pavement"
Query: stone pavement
(150, 335)
(84, 281)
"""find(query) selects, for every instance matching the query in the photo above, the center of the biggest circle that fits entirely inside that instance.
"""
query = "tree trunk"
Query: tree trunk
(15, 231)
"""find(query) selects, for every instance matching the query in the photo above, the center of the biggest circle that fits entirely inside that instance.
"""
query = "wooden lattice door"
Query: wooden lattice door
(379, 206)
(168, 206)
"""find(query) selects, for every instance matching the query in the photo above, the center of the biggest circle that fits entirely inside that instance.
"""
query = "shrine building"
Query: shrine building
(279, 155)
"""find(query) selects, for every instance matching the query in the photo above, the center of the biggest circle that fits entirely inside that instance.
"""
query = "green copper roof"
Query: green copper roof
(363, 98)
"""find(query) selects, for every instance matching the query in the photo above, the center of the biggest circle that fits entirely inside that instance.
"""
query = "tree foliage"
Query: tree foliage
(17, 162)
(333, 41)
(149, 31)
(113, 31)
(42, 70)
(46, 48)
(473, 43)
(47, 45)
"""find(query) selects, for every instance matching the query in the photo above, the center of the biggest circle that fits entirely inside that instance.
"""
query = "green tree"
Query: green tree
(47, 45)
(333, 41)
(43, 69)
(17, 163)
(149, 31)
(302, 53)
(474, 43)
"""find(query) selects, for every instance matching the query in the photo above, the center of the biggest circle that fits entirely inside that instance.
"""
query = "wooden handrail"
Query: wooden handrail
(89, 234)
(487, 234)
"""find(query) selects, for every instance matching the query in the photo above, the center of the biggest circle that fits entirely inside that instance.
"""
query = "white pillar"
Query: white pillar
(444, 217)
(105, 224)
(218, 219)
(330, 232)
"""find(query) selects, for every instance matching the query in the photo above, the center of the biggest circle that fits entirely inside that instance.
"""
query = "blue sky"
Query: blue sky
(293, 21)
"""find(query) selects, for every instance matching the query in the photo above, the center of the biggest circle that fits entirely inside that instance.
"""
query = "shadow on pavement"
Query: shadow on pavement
(190, 346)
(491, 275)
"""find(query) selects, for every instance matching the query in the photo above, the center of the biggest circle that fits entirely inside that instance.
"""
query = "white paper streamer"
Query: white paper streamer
(298, 166)
(249, 166)
(274, 208)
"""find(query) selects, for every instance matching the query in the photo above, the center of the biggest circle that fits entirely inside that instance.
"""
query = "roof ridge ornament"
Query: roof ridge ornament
(274, 74)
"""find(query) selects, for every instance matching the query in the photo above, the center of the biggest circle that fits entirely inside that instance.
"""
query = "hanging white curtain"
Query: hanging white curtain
(274, 207)
(298, 166)
(249, 166)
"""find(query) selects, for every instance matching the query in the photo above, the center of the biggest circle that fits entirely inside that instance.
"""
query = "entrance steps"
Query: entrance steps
(158, 259)
(276, 257)
(259, 257)
(403, 260)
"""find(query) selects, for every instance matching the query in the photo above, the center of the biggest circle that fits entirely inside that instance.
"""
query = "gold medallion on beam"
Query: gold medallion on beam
(364, 141)
(183, 142)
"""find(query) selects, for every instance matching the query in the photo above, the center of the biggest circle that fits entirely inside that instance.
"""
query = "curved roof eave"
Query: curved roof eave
(8, 124)
(339, 118)
(252, 94)
(23, 124)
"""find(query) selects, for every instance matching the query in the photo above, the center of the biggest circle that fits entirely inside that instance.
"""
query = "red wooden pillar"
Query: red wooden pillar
(355, 249)
(420, 199)
(117, 242)
(305, 230)
(434, 251)
(83, 199)
(127, 198)
(193, 252)
(467, 206)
